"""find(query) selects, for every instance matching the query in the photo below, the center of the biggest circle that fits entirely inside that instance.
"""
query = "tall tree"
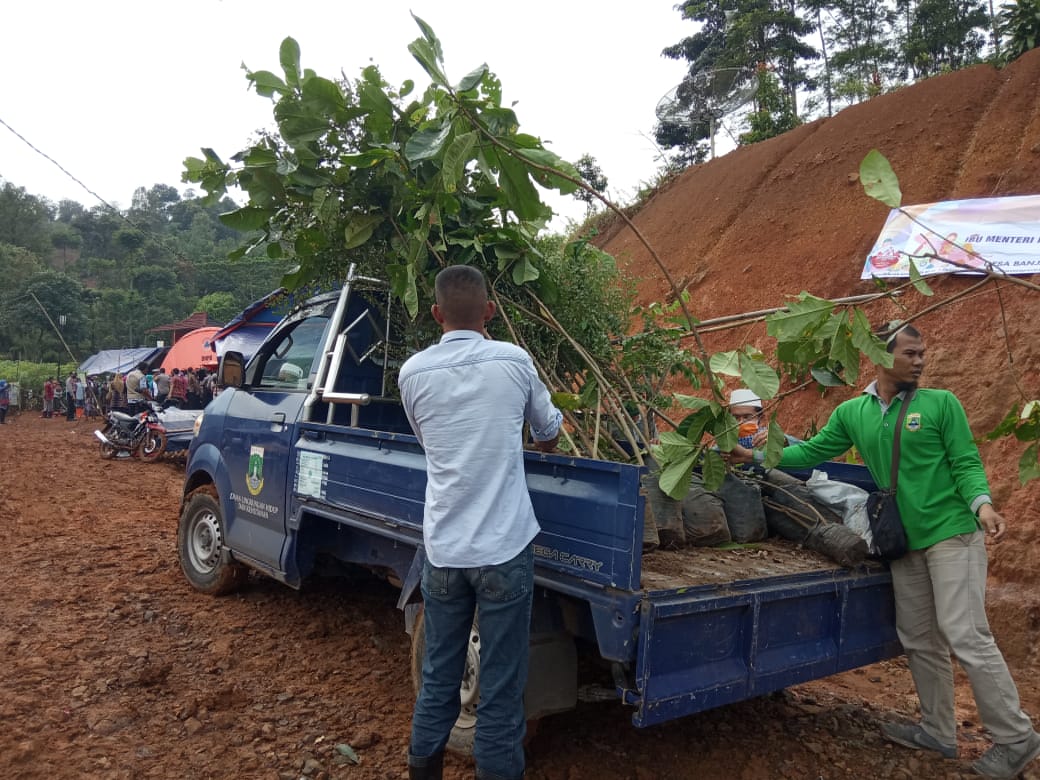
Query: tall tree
(25, 220)
(863, 55)
(1019, 24)
(740, 38)
(945, 35)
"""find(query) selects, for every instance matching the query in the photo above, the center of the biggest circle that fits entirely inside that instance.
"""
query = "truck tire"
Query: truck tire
(152, 446)
(464, 730)
(200, 546)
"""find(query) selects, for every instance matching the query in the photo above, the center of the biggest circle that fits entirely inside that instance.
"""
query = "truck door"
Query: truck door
(259, 431)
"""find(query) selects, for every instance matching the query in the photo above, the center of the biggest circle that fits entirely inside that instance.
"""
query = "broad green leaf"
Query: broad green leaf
(694, 425)
(724, 428)
(402, 283)
(517, 189)
(758, 376)
(266, 83)
(918, 281)
(866, 342)
(826, 377)
(294, 278)
(727, 363)
(427, 144)
(323, 95)
(426, 56)
(690, 401)
(359, 229)
(524, 271)
(260, 157)
(845, 353)
(430, 36)
(289, 57)
(366, 159)
(879, 180)
(802, 316)
(472, 79)
(455, 158)
(549, 179)
(1028, 464)
(713, 470)
(675, 477)
(774, 444)
(247, 218)
(675, 439)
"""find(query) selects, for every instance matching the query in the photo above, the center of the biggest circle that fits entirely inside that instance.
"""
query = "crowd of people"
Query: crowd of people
(182, 388)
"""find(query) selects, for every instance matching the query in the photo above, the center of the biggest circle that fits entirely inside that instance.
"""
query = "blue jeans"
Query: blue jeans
(501, 596)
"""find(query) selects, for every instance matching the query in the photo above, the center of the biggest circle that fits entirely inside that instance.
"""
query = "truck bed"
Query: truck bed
(695, 566)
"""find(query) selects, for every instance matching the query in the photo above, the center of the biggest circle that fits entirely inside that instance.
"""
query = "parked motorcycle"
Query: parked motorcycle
(133, 434)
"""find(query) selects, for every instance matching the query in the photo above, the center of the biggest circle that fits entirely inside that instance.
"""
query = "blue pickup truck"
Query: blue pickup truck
(307, 456)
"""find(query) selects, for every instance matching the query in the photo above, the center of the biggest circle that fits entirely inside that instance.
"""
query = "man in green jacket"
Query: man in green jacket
(940, 585)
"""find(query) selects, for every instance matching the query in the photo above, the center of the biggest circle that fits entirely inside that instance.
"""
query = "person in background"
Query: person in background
(194, 390)
(178, 389)
(81, 396)
(137, 392)
(49, 391)
(117, 393)
(467, 399)
(746, 407)
(940, 584)
(5, 400)
(162, 385)
(71, 388)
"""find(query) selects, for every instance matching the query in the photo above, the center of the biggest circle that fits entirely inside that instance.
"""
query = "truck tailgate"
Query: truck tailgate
(709, 645)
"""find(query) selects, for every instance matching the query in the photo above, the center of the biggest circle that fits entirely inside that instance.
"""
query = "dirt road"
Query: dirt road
(113, 667)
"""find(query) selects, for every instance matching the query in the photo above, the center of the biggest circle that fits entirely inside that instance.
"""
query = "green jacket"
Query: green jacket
(941, 484)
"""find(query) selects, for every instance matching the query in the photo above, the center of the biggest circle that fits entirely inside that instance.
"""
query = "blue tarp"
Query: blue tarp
(109, 361)
(248, 330)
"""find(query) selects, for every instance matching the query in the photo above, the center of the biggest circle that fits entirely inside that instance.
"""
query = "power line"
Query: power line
(161, 240)
(59, 166)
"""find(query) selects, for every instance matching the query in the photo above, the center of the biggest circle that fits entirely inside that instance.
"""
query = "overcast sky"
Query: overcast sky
(120, 92)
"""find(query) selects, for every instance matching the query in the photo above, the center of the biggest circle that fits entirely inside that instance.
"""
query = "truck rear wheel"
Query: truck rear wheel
(462, 733)
(200, 546)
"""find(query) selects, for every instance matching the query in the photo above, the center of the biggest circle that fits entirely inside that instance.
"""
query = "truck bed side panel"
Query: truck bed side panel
(587, 509)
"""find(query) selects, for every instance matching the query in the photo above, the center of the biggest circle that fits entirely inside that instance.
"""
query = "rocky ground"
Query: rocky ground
(113, 667)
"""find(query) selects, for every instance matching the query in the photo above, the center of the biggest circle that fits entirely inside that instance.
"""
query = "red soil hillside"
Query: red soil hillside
(765, 222)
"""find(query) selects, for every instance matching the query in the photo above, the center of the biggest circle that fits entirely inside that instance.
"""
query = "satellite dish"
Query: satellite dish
(708, 96)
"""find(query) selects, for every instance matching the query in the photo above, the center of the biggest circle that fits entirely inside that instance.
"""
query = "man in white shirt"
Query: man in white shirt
(467, 399)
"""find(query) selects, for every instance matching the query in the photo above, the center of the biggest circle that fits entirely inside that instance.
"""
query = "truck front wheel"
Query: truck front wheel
(200, 546)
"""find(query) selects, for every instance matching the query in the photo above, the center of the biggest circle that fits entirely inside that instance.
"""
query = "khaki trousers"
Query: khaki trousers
(940, 597)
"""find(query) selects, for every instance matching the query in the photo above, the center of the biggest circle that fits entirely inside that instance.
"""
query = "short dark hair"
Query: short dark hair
(461, 294)
(888, 331)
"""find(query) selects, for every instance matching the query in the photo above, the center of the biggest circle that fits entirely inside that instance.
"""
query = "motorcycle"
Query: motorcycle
(127, 435)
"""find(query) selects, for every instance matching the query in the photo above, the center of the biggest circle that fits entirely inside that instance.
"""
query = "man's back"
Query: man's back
(467, 399)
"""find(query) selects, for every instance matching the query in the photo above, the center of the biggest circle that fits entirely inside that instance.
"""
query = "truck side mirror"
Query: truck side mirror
(231, 370)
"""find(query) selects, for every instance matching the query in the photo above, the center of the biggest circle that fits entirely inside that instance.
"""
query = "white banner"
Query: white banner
(1004, 232)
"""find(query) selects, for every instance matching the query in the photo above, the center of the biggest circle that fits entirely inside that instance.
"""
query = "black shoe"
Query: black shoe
(426, 767)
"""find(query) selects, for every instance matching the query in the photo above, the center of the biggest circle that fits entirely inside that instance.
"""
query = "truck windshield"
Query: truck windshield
(287, 362)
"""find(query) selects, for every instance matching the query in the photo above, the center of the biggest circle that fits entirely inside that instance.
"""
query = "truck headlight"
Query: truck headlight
(196, 426)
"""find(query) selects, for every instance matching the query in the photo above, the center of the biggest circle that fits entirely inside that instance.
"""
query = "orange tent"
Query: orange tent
(192, 350)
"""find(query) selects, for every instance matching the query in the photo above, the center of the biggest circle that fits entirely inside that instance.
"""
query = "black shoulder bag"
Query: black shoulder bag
(886, 526)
